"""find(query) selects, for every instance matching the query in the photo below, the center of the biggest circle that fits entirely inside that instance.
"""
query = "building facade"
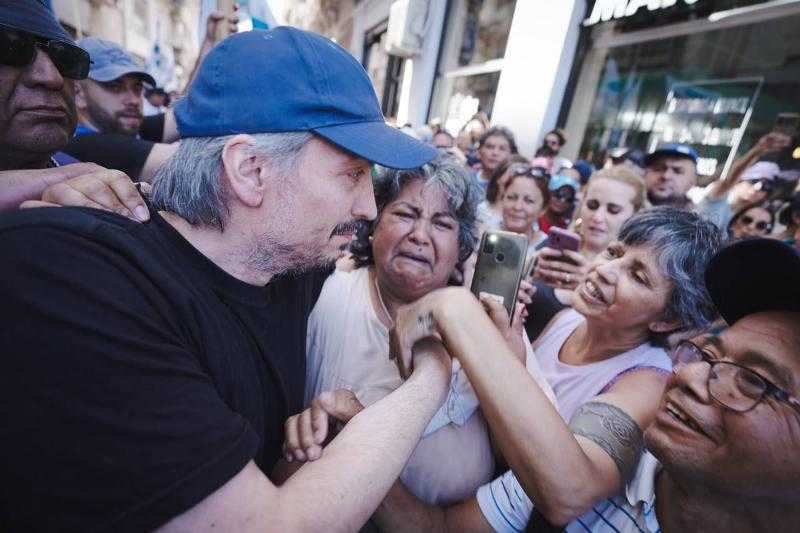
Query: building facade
(716, 74)
(138, 25)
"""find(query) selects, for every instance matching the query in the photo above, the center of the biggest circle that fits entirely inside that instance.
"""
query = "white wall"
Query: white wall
(539, 54)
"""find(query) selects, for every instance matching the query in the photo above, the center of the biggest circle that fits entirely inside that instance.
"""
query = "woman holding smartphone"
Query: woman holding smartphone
(611, 198)
(605, 359)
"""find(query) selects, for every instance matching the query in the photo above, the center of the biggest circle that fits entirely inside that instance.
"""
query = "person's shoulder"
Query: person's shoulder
(341, 284)
(78, 220)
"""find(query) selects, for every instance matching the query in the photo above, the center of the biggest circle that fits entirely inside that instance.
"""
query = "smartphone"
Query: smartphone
(788, 124)
(500, 266)
(562, 239)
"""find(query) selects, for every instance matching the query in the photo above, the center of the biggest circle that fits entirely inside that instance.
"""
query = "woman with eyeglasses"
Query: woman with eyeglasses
(490, 211)
(752, 221)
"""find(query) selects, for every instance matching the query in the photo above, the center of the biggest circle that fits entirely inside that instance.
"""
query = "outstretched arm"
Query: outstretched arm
(563, 473)
(768, 143)
(339, 491)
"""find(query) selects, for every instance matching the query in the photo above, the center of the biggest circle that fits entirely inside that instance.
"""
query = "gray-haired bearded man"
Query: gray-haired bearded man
(148, 368)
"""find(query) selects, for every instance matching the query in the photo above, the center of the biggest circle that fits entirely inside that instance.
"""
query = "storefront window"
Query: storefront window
(716, 90)
(471, 60)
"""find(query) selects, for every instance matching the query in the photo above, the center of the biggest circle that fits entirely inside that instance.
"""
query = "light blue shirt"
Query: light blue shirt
(507, 508)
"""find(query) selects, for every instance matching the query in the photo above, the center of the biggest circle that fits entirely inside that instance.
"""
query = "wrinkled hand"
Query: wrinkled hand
(412, 323)
(307, 432)
(772, 142)
(512, 333)
(100, 188)
(564, 269)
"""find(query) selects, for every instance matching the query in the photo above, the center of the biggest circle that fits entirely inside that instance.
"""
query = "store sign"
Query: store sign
(605, 10)
(711, 116)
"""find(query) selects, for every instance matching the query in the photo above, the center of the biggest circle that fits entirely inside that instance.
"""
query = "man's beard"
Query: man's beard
(106, 122)
(272, 256)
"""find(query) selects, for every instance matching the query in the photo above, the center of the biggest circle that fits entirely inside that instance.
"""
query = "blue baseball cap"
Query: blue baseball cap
(110, 61)
(560, 180)
(34, 17)
(285, 80)
(675, 149)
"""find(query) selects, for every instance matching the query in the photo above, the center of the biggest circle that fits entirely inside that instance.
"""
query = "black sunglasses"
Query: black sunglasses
(565, 194)
(761, 225)
(18, 49)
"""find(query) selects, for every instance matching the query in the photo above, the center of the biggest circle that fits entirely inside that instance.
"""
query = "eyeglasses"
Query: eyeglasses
(732, 385)
(18, 49)
(764, 185)
(760, 225)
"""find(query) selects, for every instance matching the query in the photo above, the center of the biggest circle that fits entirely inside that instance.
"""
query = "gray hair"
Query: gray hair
(685, 244)
(445, 172)
(189, 184)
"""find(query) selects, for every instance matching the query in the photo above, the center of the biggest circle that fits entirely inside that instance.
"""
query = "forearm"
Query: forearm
(364, 460)
(723, 186)
(540, 448)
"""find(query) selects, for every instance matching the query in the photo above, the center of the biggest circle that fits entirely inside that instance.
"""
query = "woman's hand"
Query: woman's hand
(563, 269)
(307, 431)
(512, 333)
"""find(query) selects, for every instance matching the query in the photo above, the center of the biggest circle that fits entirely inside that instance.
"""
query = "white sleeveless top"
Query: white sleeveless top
(575, 385)
(348, 347)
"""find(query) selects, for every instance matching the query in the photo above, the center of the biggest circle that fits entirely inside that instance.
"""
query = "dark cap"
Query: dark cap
(752, 276)
(286, 80)
(673, 149)
(34, 17)
(110, 61)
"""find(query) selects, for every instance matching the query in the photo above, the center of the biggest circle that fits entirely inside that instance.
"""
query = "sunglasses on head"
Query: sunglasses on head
(18, 49)
(761, 225)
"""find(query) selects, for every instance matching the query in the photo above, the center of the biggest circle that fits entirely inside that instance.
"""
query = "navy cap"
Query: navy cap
(110, 61)
(285, 80)
(34, 17)
(676, 149)
(752, 276)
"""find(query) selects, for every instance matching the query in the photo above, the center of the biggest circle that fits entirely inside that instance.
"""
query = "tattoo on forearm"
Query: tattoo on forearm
(425, 322)
(614, 431)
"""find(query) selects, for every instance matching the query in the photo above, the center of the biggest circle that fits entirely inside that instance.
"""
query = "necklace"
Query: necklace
(380, 301)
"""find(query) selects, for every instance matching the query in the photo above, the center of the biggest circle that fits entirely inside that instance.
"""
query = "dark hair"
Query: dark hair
(493, 188)
(741, 212)
(500, 131)
(558, 132)
(445, 172)
(684, 243)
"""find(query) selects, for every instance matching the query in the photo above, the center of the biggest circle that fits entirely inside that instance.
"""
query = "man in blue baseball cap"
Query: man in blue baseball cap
(671, 172)
(148, 369)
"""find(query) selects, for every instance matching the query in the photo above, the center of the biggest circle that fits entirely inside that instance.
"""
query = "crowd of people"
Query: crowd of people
(250, 310)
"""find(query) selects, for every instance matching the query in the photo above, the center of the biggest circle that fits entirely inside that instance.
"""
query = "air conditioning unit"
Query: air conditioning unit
(406, 29)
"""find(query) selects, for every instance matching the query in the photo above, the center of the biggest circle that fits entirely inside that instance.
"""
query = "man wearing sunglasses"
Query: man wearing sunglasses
(39, 65)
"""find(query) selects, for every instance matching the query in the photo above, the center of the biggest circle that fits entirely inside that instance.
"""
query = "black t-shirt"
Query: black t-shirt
(136, 376)
(112, 150)
(152, 128)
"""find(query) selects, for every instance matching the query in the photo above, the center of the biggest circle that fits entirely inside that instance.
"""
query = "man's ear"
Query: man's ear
(244, 170)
